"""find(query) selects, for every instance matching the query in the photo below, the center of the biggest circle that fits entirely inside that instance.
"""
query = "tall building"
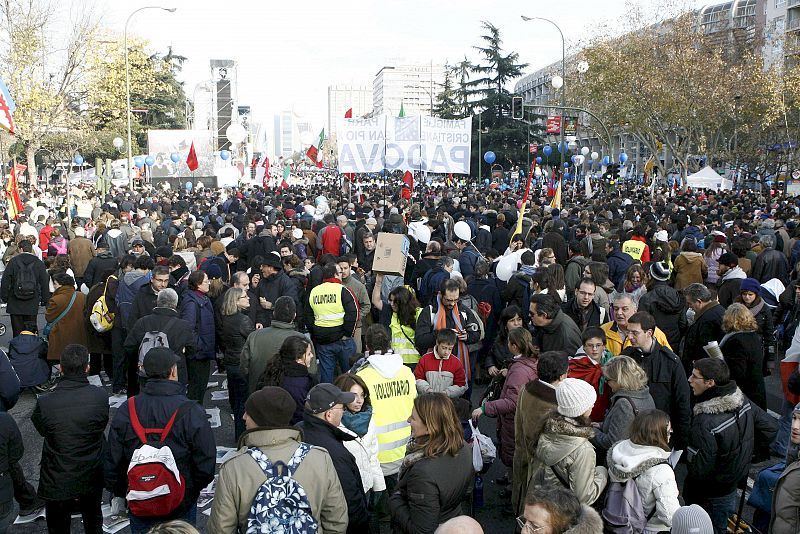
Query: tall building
(343, 97)
(413, 86)
(283, 135)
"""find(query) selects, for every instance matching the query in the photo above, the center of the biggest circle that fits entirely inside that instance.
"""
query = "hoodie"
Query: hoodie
(668, 308)
(689, 268)
(728, 285)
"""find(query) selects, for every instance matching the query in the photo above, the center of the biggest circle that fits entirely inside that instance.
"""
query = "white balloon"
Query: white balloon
(507, 265)
(537, 172)
(557, 82)
(579, 160)
(595, 155)
(463, 231)
(118, 142)
(235, 133)
(585, 151)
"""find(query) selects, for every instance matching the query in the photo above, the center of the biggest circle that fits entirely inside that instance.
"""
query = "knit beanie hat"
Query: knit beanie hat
(729, 259)
(575, 397)
(691, 520)
(270, 407)
(659, 271)
(750, 284)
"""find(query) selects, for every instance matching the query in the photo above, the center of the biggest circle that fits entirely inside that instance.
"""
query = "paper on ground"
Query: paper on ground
(213, 417)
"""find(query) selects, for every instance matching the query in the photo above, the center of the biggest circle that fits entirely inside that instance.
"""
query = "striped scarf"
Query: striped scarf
(440, 323)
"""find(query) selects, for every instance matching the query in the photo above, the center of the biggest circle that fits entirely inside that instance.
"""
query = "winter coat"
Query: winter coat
(12, 449)
(522, 371)
(536, 400)
(668, 385)
(654, 478)
(785, 516)
(143, 304)
(261, 347)
(98, 342)
(298, 382)
(728, 286)
(104, 261)
(589, 522)
(668, 308)
(744, 355)
(565, 457)
(117, 242)
(70, 329)
(365, 450)
(431, 491)
(596, 316)
(26, 261)
(72, 419)
(689, 268)
(271, 288)
(359, 290)
(618, 263)
(320, 433)
(81, 252)
(583, 367)
(486, 290)
(724, 429)
(9, 384)
(232, 333)
(440, 375)
(712, 264)
(241, 477)
(180, 335)
(499, 356)
(625, 405)
(615, 345)
(766, 326)
(770, 264)
(28, 355)
(707, 327)
(197, 310)
(561, 334)
(574, 272)
(425, 332)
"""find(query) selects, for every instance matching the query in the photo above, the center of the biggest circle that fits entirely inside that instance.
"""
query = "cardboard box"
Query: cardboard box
(391, 253)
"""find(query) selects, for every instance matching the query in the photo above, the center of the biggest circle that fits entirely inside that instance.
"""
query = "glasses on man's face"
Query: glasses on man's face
(449, 301)
(526, 526)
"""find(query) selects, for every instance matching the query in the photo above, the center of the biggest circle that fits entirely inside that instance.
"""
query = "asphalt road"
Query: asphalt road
(491, 515)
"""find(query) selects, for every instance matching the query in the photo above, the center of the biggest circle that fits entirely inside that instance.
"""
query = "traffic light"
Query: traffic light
(517, 109)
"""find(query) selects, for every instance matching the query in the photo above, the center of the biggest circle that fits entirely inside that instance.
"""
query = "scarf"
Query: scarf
(440, 323)
(527, 269)
(413, 455)
(358, 422)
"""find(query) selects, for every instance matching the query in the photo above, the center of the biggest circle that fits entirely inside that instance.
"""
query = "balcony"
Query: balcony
(793, 25)
(792, 3)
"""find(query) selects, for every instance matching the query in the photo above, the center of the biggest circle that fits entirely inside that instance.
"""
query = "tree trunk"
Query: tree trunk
(30, 157)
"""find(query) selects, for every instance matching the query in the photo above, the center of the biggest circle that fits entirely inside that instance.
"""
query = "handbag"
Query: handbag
(49, 326)
(764, 487)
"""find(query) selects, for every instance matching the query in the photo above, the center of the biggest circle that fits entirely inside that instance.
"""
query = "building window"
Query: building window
(780, 3)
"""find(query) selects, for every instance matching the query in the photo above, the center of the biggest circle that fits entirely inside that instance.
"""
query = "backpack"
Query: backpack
(623, 512)
(25, 284)
(280, 503)
(156, 487)
(101, 317)
(154, 339)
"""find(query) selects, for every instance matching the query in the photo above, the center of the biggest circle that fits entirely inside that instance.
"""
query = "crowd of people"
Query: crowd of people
(621, 345)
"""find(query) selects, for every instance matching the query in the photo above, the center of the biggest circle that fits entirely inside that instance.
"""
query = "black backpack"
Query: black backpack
(25, 284)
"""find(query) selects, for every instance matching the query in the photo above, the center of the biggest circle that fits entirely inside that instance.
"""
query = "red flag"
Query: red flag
(265, 180)
(284, 184)
(348, 114)
(12, 192)
(191, 159)
(408, 179)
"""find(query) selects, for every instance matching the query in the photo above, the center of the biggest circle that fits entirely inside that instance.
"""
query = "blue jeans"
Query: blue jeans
(328, 355)
(781, 443)
(720, 508)
(141, 525)
(237, 394)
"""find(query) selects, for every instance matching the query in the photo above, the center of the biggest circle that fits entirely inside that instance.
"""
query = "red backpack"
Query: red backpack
(155, 485)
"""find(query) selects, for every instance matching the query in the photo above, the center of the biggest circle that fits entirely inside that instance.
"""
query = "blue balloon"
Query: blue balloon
(174, 157)
(623, 157)
(539, 160)
(589, 163)
(572, 159)
(486, 181)
(78, 159)
(606, 161)
(189, 186)
(547, 150)
(566, 164)
(563, 147)
(489, 157)
(138, 161)
(150, 161)
(224, 154)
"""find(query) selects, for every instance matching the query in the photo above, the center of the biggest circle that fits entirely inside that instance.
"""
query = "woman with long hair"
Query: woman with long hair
(403, 322)
(357, 421)
(289, 370)
(742, 349)
(438, 466)
(635, 282)
(523, 369)
(689, 267)
(750, 296)
(643, 458)
(233, 329)
(554, 282)
(499, 357)
(711, 257)
(181, 248)
(196, 309)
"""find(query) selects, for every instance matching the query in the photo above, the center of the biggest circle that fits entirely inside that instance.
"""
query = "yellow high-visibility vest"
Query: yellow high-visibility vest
(403, 339)
(326, 302)
(392, 401)
(634, 248)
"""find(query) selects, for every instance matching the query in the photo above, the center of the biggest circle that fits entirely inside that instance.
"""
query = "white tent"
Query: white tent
(709, 179)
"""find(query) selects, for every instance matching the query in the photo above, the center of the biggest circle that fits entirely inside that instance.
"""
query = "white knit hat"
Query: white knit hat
(691, 520)
(575, 397)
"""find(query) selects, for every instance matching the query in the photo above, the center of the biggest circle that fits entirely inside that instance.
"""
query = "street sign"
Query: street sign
(796, 174)
(570, 126)
(553, 125)
(534, 148)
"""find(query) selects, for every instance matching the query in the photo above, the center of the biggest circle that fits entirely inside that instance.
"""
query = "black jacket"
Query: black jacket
(668, 308)
(191, 439)
(744, 355)
(278, 285)
(707, 327)
(104, 261)
(232, 333)
(570, 308)
(26, 261)
(561, 334)
(143, 304)
(72, 419)
(668, 387)
(180, 335)
(12, 450)
(431, 491)
(514, 292)
(771, 264)
(725, 427)
(28, 355)
(320, 433)
(425, 333)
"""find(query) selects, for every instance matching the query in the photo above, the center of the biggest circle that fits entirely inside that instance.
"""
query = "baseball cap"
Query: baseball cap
(159, 361)
(323, 397)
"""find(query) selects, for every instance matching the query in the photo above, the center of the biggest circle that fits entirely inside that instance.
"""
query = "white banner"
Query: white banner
(426, 144)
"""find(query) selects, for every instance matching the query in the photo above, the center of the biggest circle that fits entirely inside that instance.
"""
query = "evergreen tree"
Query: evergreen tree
(447, 106)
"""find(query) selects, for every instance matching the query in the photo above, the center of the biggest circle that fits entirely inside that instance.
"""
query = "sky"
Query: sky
(288, 53)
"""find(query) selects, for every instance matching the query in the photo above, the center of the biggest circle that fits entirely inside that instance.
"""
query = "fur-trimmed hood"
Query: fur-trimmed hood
(627, 460)
(588, 523)
(560, 438)
(727, 398)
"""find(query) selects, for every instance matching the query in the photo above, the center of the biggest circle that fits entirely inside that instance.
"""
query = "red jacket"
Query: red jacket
(440, 376)
(584, 368)
(331, 239)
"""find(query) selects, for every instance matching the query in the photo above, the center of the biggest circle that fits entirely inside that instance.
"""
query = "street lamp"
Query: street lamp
(558, 81)
(480, 147)
(128, 86)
